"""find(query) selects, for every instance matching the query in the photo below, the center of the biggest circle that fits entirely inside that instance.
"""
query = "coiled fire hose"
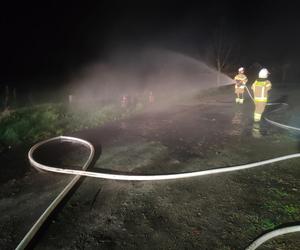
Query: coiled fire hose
(78, 173)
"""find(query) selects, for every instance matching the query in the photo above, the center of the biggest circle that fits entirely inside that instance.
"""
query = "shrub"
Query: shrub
(28, 125)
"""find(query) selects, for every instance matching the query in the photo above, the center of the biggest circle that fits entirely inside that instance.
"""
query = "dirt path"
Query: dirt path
(225, 211)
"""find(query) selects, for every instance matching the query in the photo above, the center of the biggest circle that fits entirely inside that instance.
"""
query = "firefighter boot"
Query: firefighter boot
(257, 117)
(256, 130)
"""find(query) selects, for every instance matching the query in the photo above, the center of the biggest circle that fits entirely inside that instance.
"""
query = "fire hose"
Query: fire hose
(78, 173)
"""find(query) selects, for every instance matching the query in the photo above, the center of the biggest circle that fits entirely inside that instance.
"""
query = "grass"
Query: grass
(277, 210)
(31, 124)
(291, 210)
(280, 205)
(278, 193)
(267, 224)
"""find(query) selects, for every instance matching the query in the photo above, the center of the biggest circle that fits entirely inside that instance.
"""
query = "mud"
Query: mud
(226, 211)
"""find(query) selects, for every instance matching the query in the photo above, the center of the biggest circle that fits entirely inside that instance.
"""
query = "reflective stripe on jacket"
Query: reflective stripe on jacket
(260, 89)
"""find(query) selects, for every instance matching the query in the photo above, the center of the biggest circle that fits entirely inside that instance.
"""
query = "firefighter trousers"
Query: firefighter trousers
(239, 95)
(259, 109)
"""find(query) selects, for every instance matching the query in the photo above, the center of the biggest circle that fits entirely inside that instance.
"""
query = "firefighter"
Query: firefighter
(124, 101)
(240, 83)
(151, 97)
(260, 89)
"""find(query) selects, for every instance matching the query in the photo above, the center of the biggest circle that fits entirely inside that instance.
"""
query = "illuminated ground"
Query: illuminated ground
(225, 211)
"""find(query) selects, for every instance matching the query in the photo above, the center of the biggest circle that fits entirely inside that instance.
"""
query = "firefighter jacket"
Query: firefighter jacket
(240, 80)
(260, 89)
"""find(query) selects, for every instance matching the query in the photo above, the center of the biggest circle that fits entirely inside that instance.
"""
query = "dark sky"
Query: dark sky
(54, 38)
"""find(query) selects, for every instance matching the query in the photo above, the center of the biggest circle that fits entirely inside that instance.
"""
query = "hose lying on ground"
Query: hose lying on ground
(38, 224)
(29, 236)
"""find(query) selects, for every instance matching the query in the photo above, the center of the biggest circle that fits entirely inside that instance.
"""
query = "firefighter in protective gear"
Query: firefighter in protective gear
(240, 83)
(151, 97)
(260, 88)
(124, 101)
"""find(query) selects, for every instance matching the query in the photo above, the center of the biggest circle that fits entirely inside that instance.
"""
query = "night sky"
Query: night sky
(53, 39)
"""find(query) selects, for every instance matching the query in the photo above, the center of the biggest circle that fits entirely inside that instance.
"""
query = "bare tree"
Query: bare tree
(284, 69)
(6, 97)
(224, 48)
(15, 97)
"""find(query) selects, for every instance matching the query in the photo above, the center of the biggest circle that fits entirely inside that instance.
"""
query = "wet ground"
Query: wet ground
(225, 211)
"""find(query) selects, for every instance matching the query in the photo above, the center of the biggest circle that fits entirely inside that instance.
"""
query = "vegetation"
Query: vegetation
(31, 124)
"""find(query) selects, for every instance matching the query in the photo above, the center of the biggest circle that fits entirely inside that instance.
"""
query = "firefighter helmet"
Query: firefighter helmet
(241, 70)
(263, 73)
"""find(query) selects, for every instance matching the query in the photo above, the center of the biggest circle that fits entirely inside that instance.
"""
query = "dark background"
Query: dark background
(53, 39)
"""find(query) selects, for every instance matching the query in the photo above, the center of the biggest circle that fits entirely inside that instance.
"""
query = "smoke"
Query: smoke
(168, 74)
